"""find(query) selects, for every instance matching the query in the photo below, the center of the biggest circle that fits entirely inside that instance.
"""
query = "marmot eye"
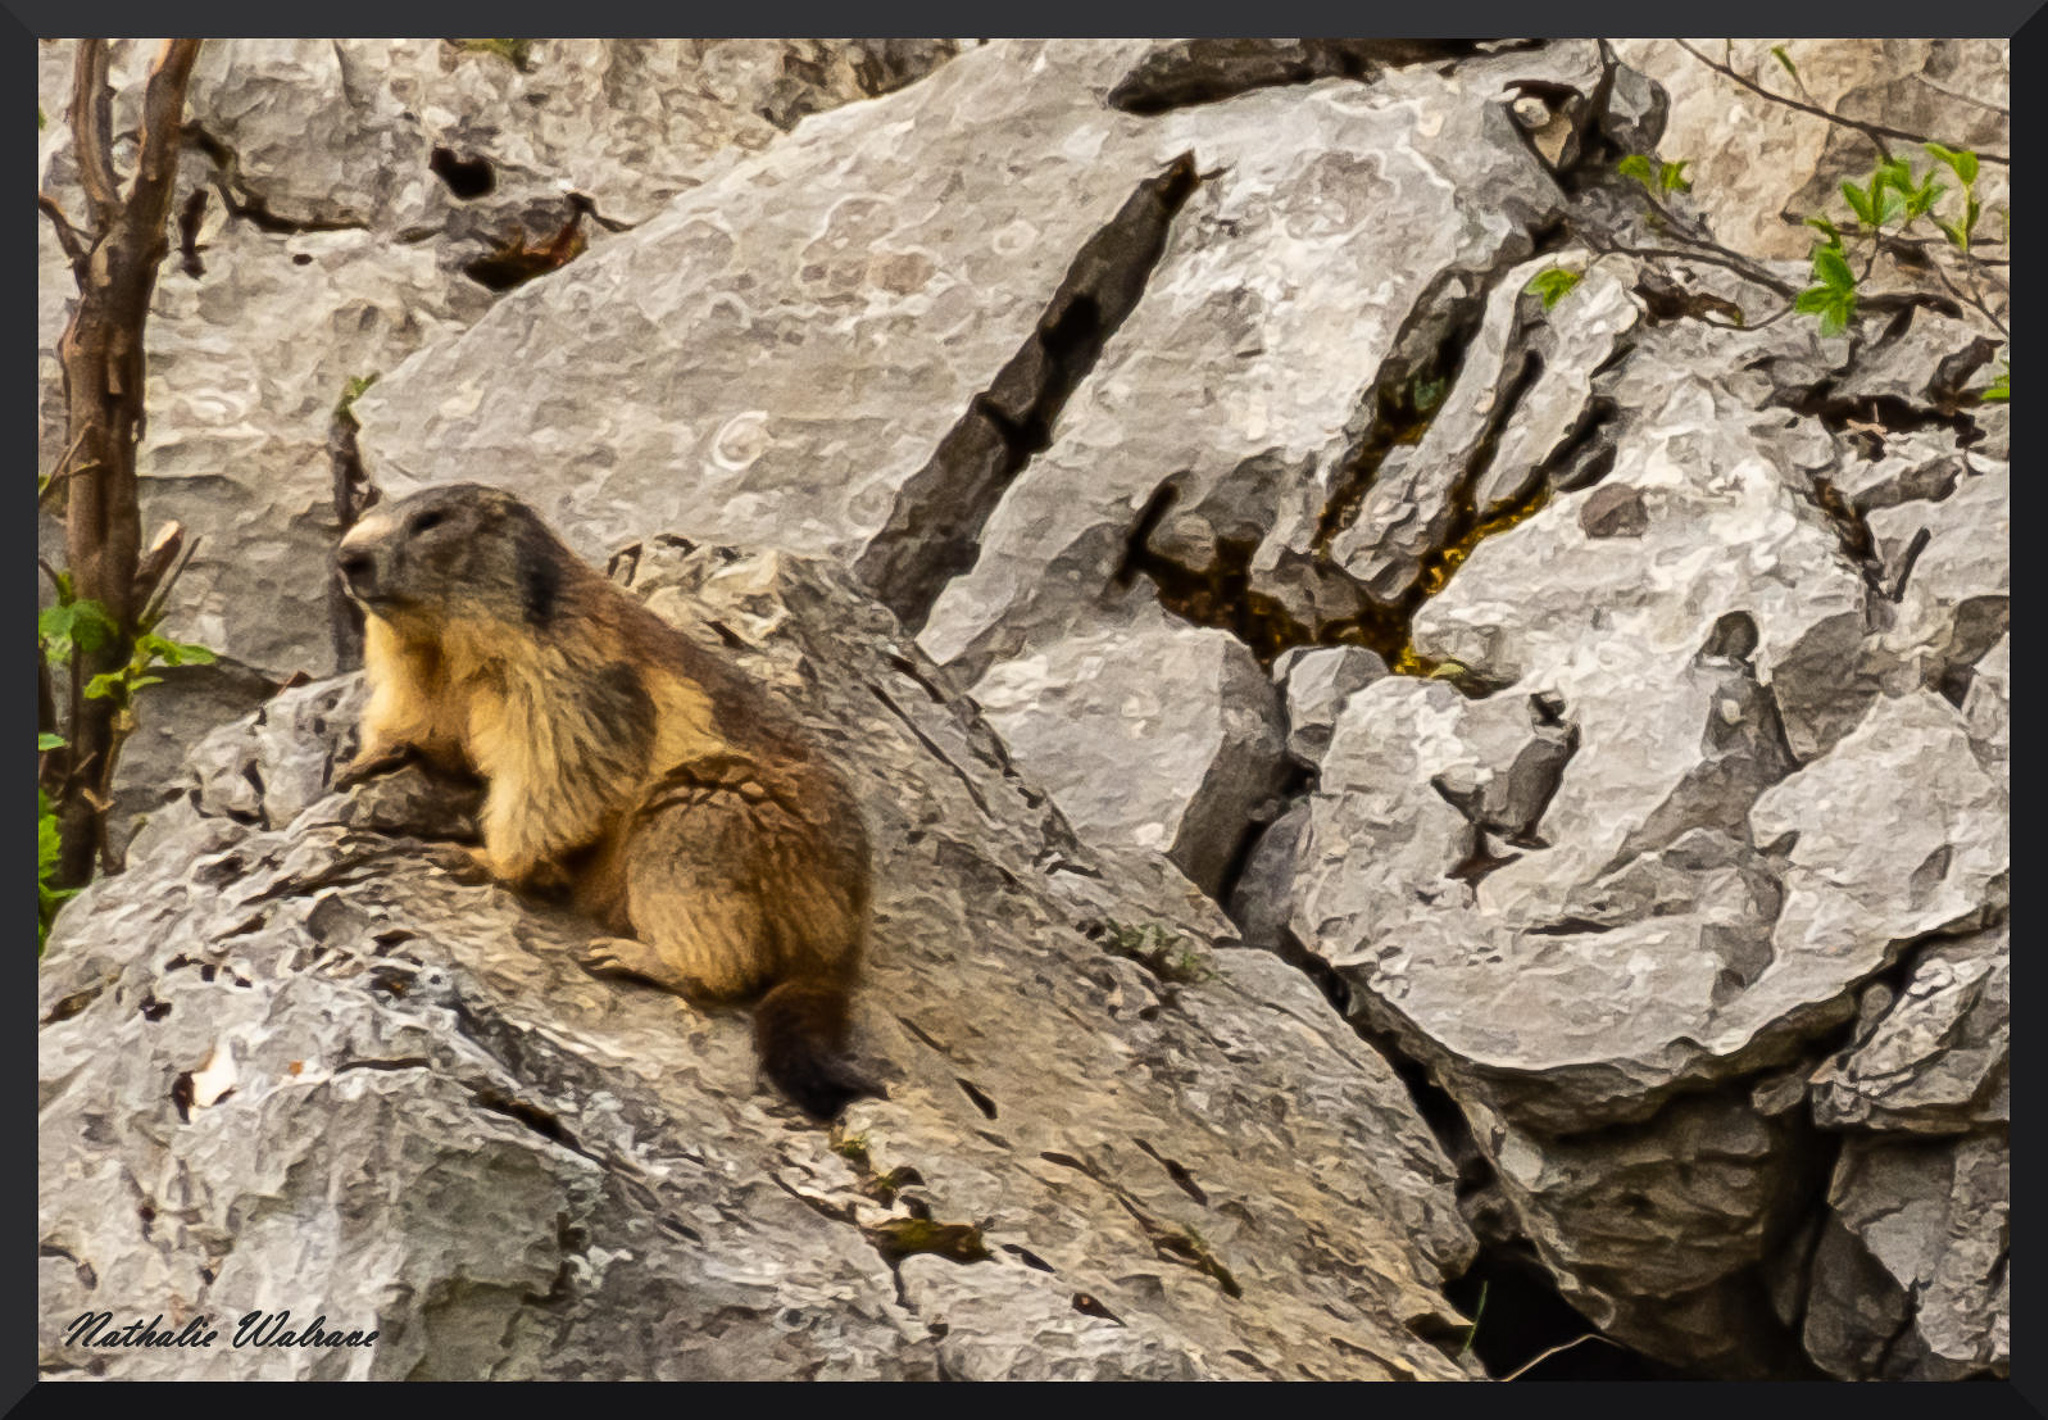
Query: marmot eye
(424, 522)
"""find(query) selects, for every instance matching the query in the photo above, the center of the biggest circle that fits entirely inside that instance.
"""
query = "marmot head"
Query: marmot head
(461, 552)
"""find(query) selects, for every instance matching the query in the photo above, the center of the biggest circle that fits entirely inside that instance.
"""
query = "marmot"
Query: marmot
(623, 762)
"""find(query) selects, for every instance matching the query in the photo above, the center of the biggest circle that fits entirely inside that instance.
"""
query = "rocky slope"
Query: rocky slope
(289, 1063)
(1607, 705)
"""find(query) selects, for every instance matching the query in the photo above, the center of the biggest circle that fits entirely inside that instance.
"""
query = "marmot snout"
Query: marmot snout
(686, 815)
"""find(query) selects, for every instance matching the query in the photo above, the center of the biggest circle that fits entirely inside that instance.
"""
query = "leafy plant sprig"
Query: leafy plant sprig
(1553, 284)
(1833, 296)
(1887, 206)
(72, 627)
(49, 851)
(1657, 180)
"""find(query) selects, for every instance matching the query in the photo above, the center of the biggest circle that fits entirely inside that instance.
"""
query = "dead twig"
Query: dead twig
(153, 612)
(1527, 1366)
(67, 235)
(92, 132)
(1875, 132)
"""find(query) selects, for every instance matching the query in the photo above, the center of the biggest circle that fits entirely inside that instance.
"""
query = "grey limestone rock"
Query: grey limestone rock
(288, 1062)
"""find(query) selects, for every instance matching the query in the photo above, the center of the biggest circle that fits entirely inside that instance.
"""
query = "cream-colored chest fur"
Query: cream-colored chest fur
(506, 706)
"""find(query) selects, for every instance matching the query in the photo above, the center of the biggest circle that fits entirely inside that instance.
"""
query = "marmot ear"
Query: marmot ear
(540, 575)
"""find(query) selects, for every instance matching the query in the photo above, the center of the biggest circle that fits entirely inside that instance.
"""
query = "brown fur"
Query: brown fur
(625, 762)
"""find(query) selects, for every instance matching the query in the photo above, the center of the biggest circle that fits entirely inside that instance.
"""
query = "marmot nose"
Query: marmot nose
(359, 570)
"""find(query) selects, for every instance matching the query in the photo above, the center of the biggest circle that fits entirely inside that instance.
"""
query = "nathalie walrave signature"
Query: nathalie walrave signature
(254, 1329)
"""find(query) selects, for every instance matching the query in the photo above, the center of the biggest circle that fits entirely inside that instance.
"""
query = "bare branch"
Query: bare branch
(149, 572)
(1710, 250)
(1970, 298)
(1525, 1368)
(163, 110)
(153, 609)
(67, 235)
(92, 133)
(1718, 256)
(1875, 132)
(105, 367)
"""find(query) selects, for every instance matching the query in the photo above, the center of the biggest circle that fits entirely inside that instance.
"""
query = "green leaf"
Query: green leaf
(1895, 173)
(1833, 306)
(1859, 204)
(1835, 319)
(1923, 200)
(1890, 206)
(45, 742)
(84, 624)
(1833, 269)
(1671, 177)
(351, 391)
(172, 653)
(1822, 224)
(1552, 284)
(1953, 233)
(53, 624)
(1636, 166)
(1961, 161)
(1778, 53)
(108, 686)
(49, 855)
(1999, 391)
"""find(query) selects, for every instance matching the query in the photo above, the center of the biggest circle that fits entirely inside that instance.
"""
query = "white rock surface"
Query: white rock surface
(1159, 734)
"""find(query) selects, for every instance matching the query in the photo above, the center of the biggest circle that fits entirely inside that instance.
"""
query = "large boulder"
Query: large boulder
(287, 1062)
(1730, 766)
(1157, 733)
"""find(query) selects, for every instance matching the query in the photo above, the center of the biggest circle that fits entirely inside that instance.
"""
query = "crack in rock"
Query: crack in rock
(934, 528)
(1204, 71)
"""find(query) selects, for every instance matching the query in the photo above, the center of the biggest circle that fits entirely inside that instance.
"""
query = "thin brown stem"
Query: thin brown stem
(1711, 250)
(1530, 1365)
(1972, 298)
(1875, 132)
(92, 132)
(163, 110)
(153, 611)
(1741, 266)
(102, 353)
(67, 235)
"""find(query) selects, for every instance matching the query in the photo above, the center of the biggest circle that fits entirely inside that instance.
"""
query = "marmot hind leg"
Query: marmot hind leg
(728, 893)
(636, 960)
(734, 890)
(694, 900)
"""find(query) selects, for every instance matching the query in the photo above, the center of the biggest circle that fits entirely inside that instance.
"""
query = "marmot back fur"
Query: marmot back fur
(625, 762)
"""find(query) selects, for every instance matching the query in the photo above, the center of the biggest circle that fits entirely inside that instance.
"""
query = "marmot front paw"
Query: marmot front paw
(467, 865)
(369, 766)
